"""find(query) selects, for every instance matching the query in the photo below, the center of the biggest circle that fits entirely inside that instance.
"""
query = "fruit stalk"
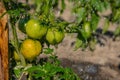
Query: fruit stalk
(16, 45)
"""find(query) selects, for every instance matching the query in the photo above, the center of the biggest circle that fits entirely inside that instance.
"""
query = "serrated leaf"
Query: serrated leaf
(15, 13)
(48, 51)
(98, 5)
(36, 71)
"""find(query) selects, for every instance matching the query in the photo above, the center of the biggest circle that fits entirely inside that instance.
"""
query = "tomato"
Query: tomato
(54, 36)
(22, 23)
(16, 57)
(86, 30)
(35, 30)
(30, 49)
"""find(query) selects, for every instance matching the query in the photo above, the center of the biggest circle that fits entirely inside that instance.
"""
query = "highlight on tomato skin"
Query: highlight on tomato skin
(35, 30)
(54, 36)
(30, 49)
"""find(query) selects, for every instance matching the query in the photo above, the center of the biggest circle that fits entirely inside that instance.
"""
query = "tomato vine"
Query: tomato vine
(51, 30)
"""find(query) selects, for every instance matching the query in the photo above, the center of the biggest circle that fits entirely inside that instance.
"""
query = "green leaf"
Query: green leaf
(69, 75)
(78, 43)
(115, 3)
(36, 71)
(94, 22)
(63, 5)
(116, 15)
(34, 68)
(47, 78)
(6, 0)
(17, 72)
(92, 44)
(48, 51)
(106, 26)
(14, 12)
(117, 31)
(38, 4)
(107, 4)
(81, 13)
(98, 5)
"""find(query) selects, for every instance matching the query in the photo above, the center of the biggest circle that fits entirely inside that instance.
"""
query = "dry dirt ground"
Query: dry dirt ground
(104, 61)
(101, 64)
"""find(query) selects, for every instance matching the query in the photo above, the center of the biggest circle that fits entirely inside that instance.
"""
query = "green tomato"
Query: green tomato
(54, 36)
(35, 30)
(86, 30)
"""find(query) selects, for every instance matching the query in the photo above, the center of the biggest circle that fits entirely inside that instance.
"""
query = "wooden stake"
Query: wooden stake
(3, 45)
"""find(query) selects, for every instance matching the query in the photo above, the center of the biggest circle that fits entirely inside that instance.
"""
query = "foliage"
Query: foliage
(87, 16)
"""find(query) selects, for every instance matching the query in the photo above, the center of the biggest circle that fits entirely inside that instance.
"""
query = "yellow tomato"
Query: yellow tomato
(30, 49)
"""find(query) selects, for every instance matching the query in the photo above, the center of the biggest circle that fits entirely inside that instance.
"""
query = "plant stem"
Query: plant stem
(16, 45)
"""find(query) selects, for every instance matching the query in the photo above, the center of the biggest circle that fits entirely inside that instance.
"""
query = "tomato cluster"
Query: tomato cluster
(36, 31)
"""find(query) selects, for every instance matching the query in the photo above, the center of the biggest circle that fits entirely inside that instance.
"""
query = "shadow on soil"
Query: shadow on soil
(87, 70)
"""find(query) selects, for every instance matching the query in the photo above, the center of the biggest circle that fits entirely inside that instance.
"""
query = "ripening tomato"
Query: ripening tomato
(30, 49)
(34, 29)
(54, 36)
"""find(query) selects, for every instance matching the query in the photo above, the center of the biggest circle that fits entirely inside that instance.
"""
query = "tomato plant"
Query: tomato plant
(38, 21)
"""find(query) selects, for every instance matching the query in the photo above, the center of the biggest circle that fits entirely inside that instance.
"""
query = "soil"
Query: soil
(103, 63)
